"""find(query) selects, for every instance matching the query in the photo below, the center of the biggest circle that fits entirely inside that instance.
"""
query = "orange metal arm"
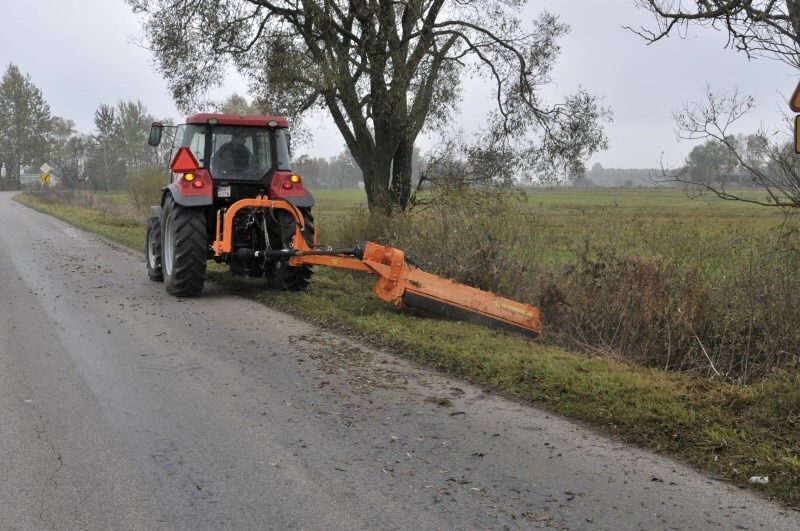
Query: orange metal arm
(223, 242)
(404, 285)
(398, 283)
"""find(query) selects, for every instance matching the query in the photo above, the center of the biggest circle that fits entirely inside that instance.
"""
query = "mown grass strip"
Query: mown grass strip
(129, 233)
(733, 432)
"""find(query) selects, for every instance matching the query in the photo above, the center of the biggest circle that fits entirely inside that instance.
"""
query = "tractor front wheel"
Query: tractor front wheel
(153, 246)
(185, 250)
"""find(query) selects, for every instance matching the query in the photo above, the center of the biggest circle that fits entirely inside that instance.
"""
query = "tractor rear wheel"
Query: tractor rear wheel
(153, 246)
(185, 249)
(286, 277)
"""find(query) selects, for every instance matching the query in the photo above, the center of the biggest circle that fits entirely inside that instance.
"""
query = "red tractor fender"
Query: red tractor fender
(174, 191)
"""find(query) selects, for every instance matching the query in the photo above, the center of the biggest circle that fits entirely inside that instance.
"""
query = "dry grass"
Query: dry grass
(700, 292)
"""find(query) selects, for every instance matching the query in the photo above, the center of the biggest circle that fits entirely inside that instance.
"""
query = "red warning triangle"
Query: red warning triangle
(794, 103)
(184, 161)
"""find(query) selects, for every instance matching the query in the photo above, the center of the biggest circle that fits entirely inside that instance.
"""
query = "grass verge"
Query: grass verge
(733, 432)
(125, 231)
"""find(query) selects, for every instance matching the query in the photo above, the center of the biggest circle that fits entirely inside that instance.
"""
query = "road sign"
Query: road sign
(794, 103)
(45, 176)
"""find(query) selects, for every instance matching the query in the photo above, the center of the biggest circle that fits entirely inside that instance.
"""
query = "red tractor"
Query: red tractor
(234, 199)
(217, 160)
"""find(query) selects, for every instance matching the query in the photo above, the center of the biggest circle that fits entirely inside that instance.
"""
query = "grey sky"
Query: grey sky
(80, 53)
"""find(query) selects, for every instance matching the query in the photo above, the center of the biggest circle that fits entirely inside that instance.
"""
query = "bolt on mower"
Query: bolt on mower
(234, 199)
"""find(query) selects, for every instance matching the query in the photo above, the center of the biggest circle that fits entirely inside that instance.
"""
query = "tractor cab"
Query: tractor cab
(242, 157)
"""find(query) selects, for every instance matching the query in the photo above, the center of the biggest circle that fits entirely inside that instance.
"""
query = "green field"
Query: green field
(634, 218)
(735, 429)
(659, 201)
(640, 221)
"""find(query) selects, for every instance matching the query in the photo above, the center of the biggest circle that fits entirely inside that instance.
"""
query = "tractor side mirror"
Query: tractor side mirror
(156, 130)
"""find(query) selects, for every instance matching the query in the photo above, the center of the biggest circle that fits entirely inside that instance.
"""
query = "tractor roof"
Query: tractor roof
(236, 119)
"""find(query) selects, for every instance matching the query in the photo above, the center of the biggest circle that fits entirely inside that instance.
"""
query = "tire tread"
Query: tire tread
(191, 249)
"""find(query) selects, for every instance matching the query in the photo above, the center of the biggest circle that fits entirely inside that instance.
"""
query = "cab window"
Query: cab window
(240, 152)
(194, 137)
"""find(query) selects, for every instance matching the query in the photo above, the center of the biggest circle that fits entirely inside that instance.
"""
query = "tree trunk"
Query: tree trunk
(13, 173)
(387, 178)
(377, 176)
(376, 167)
(400, 190)
(793, 10)
(105, 163)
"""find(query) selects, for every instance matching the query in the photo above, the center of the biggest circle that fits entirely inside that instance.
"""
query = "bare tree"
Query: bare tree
(385, 70)
(769, 28)
(766, 159)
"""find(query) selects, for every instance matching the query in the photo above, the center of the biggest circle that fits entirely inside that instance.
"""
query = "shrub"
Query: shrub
(144, 189)
(656, 312)
(462, 235)
(733, 315)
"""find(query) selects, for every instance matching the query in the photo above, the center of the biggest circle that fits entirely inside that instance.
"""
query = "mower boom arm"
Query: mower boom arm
(405, 285)
(398, 283)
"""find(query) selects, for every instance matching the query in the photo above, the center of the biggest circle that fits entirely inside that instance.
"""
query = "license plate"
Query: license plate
(224, 191)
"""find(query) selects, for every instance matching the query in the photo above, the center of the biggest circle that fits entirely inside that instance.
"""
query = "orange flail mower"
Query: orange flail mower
(398, 282)
(233, 199)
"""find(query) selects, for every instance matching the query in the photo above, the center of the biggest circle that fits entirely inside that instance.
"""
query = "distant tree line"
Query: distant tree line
(103, 159)
(339, 171)
(737, 161)
(620, 177)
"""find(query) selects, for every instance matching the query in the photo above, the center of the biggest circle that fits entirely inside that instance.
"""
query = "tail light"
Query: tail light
(291, 182)
(285, 184)
(196, 182)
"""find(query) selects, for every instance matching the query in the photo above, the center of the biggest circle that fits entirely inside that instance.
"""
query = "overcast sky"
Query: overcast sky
(81, 53)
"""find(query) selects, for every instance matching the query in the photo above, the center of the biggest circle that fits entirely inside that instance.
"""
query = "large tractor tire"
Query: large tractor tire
(282, 275)
(153, 247)
(185, 249)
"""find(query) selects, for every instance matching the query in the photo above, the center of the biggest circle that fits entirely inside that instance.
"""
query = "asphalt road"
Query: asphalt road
(122, 407)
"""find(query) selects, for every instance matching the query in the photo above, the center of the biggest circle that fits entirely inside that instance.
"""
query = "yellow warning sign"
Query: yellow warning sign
(45, 175)
(794, 103)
